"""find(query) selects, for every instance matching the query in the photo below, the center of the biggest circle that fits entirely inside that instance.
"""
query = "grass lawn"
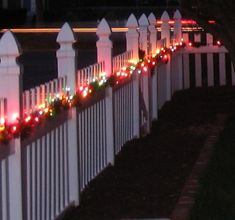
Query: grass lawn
(216, 195)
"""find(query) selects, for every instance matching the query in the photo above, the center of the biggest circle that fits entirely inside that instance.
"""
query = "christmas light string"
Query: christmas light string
(23, 127)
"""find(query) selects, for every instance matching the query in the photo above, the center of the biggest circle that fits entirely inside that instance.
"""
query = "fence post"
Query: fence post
(143, 30)
(177, 26)
(166, 35)
(179, 62)
(66, 58)
(153, 33)
(132, 36)
(11, 89)
(109, 125)
(104, 46)
(136, 105)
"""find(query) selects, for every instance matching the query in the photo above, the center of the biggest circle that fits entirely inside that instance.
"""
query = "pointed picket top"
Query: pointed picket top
(143, 20)
(177, 15)
(103, 28)
(66, 34)
(165, 16)
(132, 22)
(9, 45)
(152, 19)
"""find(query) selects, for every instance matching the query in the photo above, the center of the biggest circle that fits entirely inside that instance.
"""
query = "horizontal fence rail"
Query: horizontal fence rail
(90, 73)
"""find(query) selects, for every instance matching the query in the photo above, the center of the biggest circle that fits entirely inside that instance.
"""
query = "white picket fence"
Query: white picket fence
(90, 74)
(121, 61)
(45, 173)
(42, 95)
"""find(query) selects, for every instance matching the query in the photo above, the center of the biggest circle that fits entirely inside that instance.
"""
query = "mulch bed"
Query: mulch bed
(150, 172)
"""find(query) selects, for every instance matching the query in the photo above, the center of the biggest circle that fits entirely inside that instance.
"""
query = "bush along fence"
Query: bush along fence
(55, 138)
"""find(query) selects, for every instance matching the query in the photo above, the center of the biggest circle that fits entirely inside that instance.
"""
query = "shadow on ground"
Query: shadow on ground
(150, 172)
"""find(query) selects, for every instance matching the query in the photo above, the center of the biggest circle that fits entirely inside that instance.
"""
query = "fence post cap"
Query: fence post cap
(66, 34)
(143, 20)
(165, 16)
(132, 22)
(103, 28)
(152, 18)
(177, 14)
(9, 44)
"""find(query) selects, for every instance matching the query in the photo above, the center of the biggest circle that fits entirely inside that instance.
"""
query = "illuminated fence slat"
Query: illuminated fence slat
(121, 60)
(4, 171)
(3, 105)
(45, 169)
(123, 116)
(161, 43)
(40, 95)
(92, 141)
(86, 75)
(4, 189)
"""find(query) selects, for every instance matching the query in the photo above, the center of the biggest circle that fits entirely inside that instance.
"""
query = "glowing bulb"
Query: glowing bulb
(15, 116)
(67, 89)
(218, 43)
(139, 71)
(27, 119)
(157, 51)
(2, 121)
(190, 44)
(36, 119)
(145, 69)
(14, 128)
(2, 127)
(84, 94)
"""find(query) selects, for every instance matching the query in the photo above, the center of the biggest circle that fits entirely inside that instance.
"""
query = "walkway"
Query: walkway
(150, 172)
